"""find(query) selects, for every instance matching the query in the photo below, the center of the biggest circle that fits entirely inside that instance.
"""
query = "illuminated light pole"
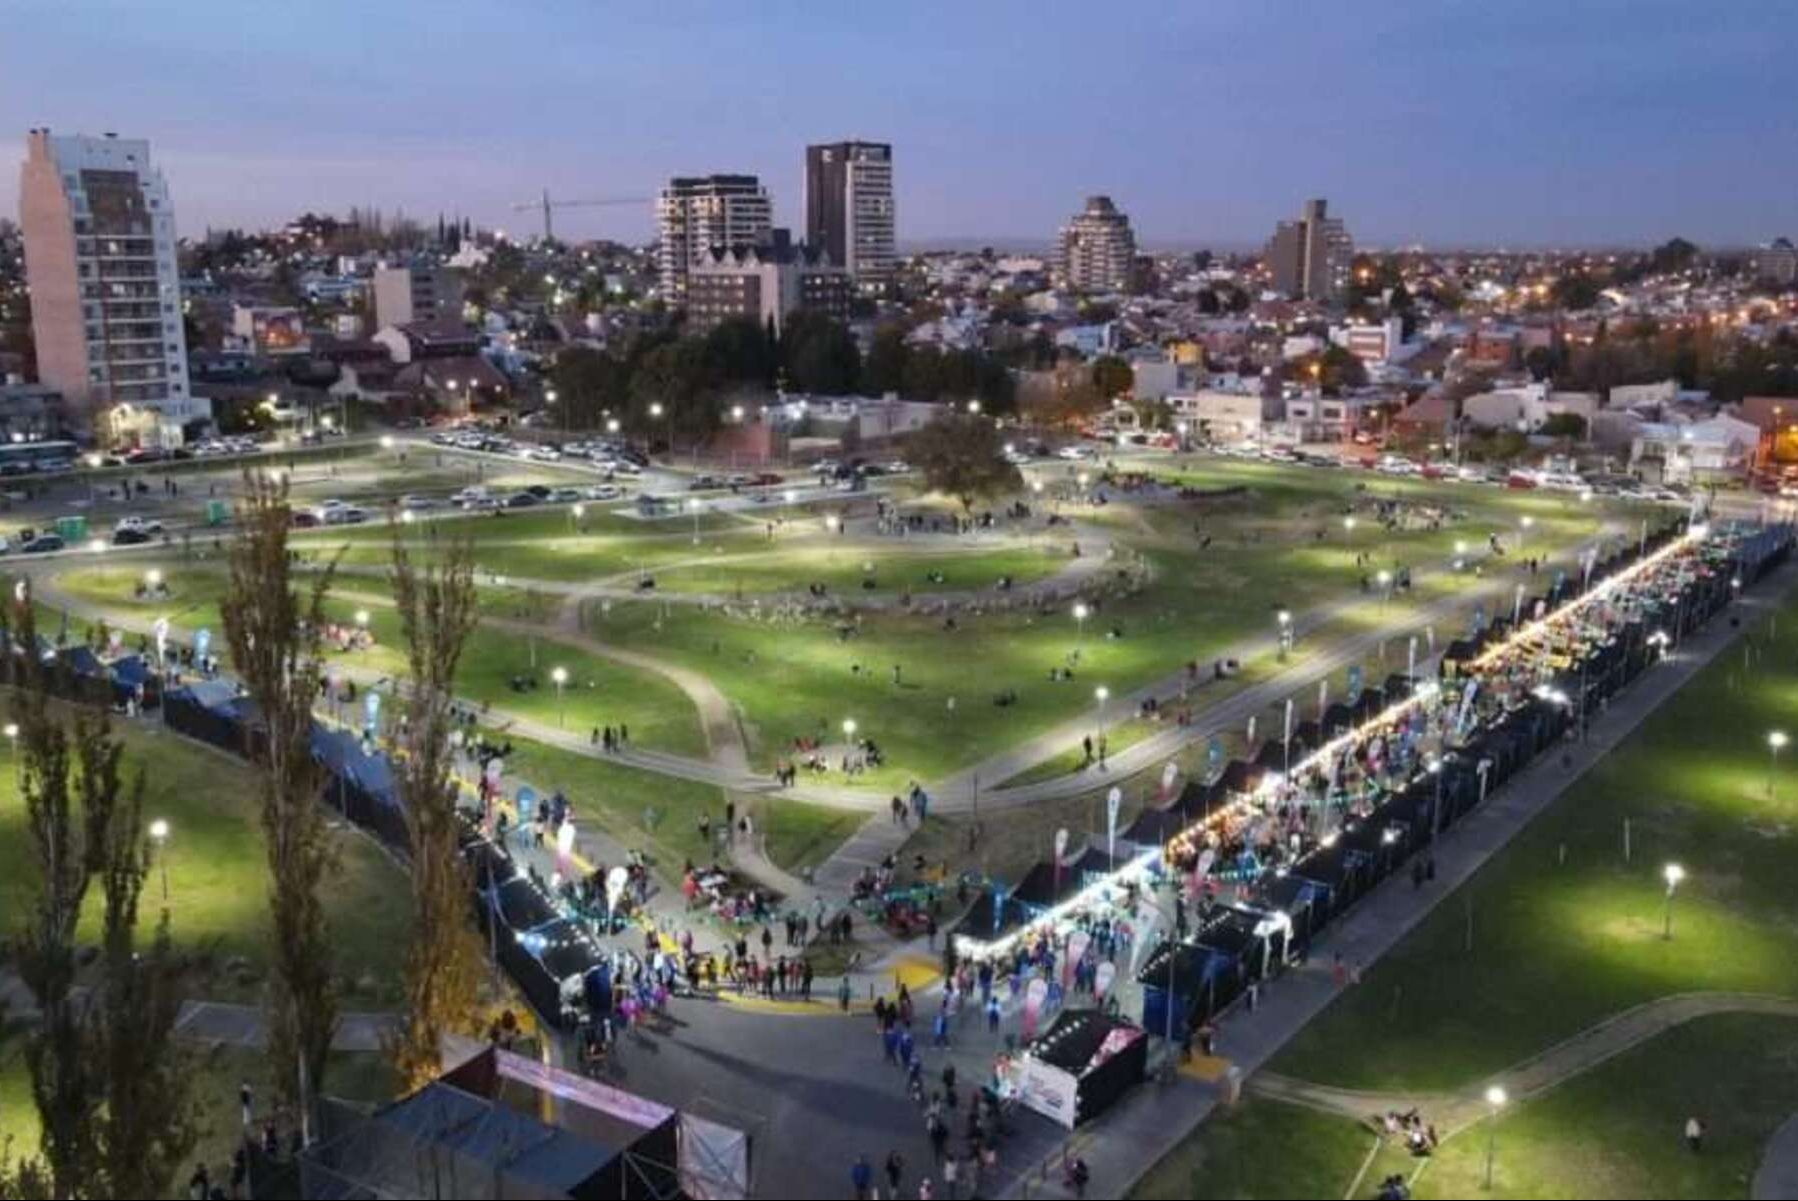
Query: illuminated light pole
(1285, 619)
(1495, 1101)
(362, 618)
(693, 507)
(577, 515)
(1385, 582)
(1673, 873)
(12, 735)
(1101, 694)
(1348, 530)
(387, 442)
(974, 408)
(159, 835)
(153, 578)
(1524, 523)
(560, 676)
(1776, 742)
(1460, 554)
(1080, 615)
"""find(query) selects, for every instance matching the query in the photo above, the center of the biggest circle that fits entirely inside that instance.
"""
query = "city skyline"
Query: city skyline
(1226, 117)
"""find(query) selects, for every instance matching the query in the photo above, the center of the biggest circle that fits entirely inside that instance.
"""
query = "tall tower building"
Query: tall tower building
(694, 214)
(105, 295)
(849, 209)
(1310, 258)
(1098, 250)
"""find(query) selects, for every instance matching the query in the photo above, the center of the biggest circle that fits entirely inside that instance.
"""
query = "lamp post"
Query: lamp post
(1673, 873)
(387, 442)
(560, 676)
(1348, 530)
(12, 735)
(1101, 694)
(153, 578)
(1776, 742)
(159, 836)
(1460, 554)
(656, 410)
(1524, 523)
(362, 620)
(1495, 1101)
(974, 408)
(577, 514)
(693, 507)
(1080, 614)
(1385, 581)
(1285, 618)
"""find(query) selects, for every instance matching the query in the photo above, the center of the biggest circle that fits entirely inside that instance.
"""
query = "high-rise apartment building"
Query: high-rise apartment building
(105, 295)
(694, 214)
(1310, 258)
(421, 290)
(849, 209)
(1098, 251)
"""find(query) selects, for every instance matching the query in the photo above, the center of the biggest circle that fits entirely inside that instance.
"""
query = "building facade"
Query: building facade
(765, 283)
(1778, 263)
(416, 291)
(849, 209)
(105, 296)
(1310, 258)
(1098, 249)
(695, 214)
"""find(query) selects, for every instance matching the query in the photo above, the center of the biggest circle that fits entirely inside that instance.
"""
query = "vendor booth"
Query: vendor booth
(1080, 1066)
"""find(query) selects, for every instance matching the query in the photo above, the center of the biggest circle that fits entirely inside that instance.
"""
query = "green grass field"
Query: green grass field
(217, 872)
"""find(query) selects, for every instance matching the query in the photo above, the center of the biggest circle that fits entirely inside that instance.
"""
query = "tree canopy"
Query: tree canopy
(962, 456)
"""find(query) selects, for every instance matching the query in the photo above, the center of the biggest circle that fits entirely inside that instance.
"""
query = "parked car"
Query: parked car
(303, 519)
(43, 544)
(523, 500)
(413, 500)
(601, 492)
(130, 536)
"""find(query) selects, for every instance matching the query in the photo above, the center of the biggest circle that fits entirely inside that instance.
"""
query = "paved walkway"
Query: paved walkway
(1777, 1177)
(1453, 1112)
(217, 1022)
(1151, 1122)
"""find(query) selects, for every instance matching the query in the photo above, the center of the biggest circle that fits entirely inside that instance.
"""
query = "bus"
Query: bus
(27, 458)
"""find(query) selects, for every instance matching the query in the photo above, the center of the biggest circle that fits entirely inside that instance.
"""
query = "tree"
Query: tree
(740, 351)
(1563, 425)
(110, 1086)
(883, 370)
(438, 611)
(588, 383)
(1112, 376)
(273, 629)
(819, 355)
(1575, 290)
(963, 456)
(680, 377)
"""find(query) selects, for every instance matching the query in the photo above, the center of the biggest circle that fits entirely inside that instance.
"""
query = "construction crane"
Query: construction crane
(547, 206)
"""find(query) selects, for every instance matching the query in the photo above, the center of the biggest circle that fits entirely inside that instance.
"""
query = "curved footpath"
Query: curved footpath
(1777, 1177)
(1454, 1112)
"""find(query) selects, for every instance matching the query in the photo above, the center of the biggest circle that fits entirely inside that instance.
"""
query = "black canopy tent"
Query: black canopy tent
(1081, 1065)
(1180, 986)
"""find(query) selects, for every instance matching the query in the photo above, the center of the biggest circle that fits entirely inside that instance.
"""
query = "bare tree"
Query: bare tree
(273, 631)
(438, 612)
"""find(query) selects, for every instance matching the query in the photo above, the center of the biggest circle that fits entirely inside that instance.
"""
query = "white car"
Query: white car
(1395, 465)
(414, 501)
(601, 492)
(142, 525)
(1074, 452)
(468, 496)
(898, 467)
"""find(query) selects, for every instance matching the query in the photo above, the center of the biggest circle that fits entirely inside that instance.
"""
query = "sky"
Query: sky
(1499, 123)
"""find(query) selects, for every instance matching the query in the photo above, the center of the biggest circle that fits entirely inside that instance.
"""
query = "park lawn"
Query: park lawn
(567, 557)
(660, 814)
(1615, 1131)
(1558, 946)
(1262, 1149)
(218, 873)
(844, 569)
(1119, 735)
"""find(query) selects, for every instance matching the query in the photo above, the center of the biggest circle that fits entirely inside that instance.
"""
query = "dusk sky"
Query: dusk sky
(1517, 122)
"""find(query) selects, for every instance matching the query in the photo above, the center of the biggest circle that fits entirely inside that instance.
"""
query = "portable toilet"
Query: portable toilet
(218, 512)
(72, 529)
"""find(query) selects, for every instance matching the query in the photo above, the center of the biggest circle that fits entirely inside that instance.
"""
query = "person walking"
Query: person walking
(1694, 1134)
(895, 1172)
(861, 1177)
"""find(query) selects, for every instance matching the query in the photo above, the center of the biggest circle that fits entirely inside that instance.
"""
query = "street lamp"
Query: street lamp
(736, 414)
(153, 577)
(362, 618)
(560, 676)
(1385, 580)
(1080, 614)
(1348, 529)
(1285, 618)
(832, 522)
(1673, 873)
(12, 735)
(974, 407)
(849, 731)
(1776, 742)
(159, 835)
(1525, 522)
(386, 441)
(1495, 1100)
(693, 507)
(1101, 694)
